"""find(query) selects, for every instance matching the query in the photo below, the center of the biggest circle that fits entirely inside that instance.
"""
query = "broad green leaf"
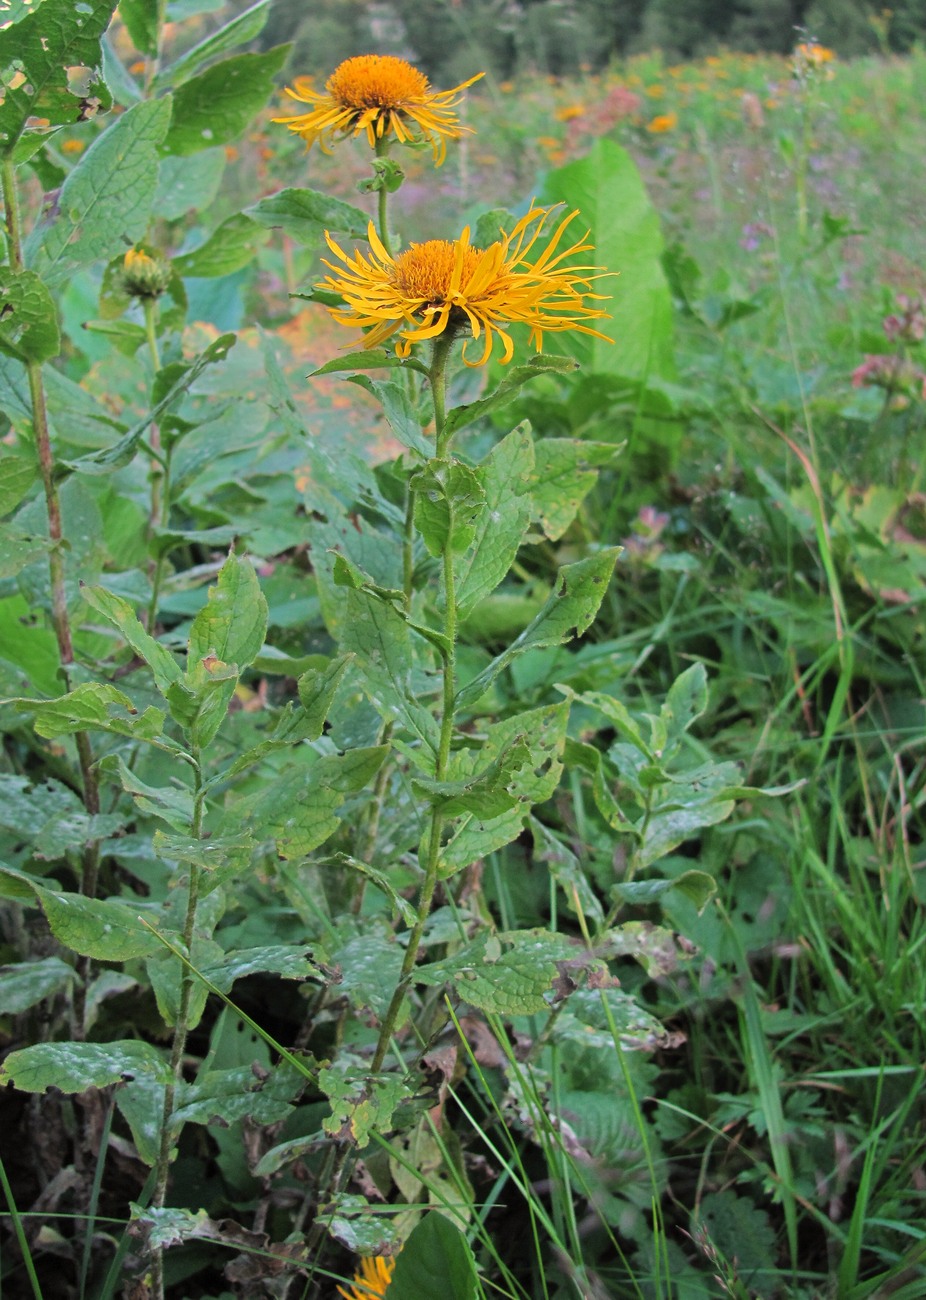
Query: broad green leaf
(227, 1096)
(173, 804)
(569, 612)
(509, 387)
(305, 215)
(28, 320)
(215, 106)
(489, 792)
(379, 879)
(685, 702)
(50, 816)
(435, 1261)
(121, 452)
(50, 67)
(19, 549)
(220, 857)
(666, 829)
(741, 1231)
(242, 29)
(104, 929)
(449, 499)
(75, 1067)
(231, 245)
(478, 836)
(124, 87)
(93, 706)
(25, 983)
(606, 186)
(166, 975)
(199, 703)
(500, 528)
(288, 961)
(300, 810)
(697, 886)
(566, 869)
(566, 470)
(374, 359)
(182, 188)
(512, 982)
(106, 200)
(17, 474)
(233, 622)
(122, 616)
(141, 18)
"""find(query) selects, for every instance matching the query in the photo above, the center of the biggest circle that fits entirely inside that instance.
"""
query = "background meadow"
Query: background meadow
(742, 1114)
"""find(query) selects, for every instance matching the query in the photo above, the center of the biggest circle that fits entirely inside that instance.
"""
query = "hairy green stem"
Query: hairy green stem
(181, 1029)
(382, 200)
(59, 608)
(438, 377)
(160, 470)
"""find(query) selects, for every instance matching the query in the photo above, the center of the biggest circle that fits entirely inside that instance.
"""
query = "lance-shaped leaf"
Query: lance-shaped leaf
(566, 470)
(510, 386)
(215, 106)
(569, 612)
(26, 983)
(305, 215)
(141, 18)
(449, 498)
(122, 616)
(697, 886)
(399, 409)
(28, 320)
(106, 201)
(50, 67)
(242, 29)
(489, 792)
(233, 622)
(505, 475)
(513, 979)
(92, 706)
(231, 245)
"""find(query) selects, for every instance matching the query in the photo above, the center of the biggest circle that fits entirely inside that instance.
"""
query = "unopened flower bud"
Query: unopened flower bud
(144, 276)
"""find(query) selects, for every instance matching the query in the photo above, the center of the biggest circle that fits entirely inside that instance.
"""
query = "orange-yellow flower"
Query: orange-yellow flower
(371, 1279)
(813, 53)
(448, 287)
(382, 96)
(663, 122)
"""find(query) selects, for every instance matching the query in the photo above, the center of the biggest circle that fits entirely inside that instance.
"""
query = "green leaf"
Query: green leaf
(93, 706)
(19, 549)
(75, 1067)
(231, 245)
(606, 186)
(28, 982)
(104, 929)
(141, 22)
(478, 836)
(215, 106)
(173, 804)
(28, 320)
(566, 471)
(121, 452)
(697, 886)
(436, 1261)
(233, 622)
(242, 29)
(50, 816)
(182, 188)
(500, 528)
(685, 702)
(17, 474)
(305, 215)
(288, 961)
(107, 199)
(449, 499)
(122, 616)
(398, 407)
(488, 793)
(512, 982)
(50, 66)
(510, 386)
(741, 1232)
(361, 1103)
(569, 612)
(228, 1096)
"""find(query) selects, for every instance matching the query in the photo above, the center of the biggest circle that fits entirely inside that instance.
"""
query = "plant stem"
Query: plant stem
(382, 197)
(438, 376)
(59, 606)
(160, 469)
(181, 1027)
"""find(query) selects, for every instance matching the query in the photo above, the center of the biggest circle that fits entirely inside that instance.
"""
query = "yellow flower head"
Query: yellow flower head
(448, 287)
(383, 96)
(663, 122)
(810, 52)
(371, 1280)
(144, 276)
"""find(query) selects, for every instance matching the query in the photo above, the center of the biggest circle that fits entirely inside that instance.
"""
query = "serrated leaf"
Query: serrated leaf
(510, 386)
(243, 28)
(741, 1232)
(75, 1067)
(449, 498)
(104, 929)
(215, 106)
(106, 201)
(505, 982)
(566, 469)
(122, 616)
(500, 528)
(28, 320)
(233, 622)
(360, 1102)
(478, 836)
(39, 56)
(92, 706)
(569, 612)
(25, 983)
(435, 1261)
(373, 359)
(231, 245)
(305, 215)
(228, 1096)
(697, 886)
(288, 961)
(489, 792)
